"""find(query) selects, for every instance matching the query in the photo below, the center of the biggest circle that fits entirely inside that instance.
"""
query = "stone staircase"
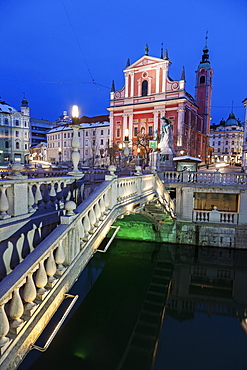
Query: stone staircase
(142, 346)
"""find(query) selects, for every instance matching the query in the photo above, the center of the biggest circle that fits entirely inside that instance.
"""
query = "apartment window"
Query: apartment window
(93, 132)
(218, 150)
(68, 134)
(64, 143)
(6, 144)
(17, 145)
(25, 124)
(219, 136)
(6, 132)
(86, 152)
(58, 136)
(213, 143)
(17, 122)
(64, 135)
(25, 146)
(118, 132)
(17, 134)
(102, 132)
(93, 142)
(218, 142)
(6, 121)
(86, 133)
(108, 132)
(232, 142)
(86, 142)
(102, 142)
(226, 142)
(79, 134)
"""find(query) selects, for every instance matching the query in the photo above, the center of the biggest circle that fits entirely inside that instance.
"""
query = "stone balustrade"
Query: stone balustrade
(22, 195)
(35, 288)
(205, 178)
(216, 216)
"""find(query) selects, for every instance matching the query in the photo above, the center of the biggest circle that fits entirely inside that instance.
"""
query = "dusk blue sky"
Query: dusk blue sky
(65, 52)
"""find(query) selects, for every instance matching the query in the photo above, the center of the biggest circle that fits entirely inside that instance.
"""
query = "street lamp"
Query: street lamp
(126, 145)
(158, 161)
(75, 156)
(120, 148)
(138, 156)
(59, 155)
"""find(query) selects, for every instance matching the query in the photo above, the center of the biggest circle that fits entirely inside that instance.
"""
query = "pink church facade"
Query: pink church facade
(150, 94)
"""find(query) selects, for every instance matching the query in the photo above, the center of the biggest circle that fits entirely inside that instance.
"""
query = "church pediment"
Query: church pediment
(145, 61)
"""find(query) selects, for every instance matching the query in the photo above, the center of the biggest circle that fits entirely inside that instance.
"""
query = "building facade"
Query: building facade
(244, 154)
(14, 133)
(226, 140)
(150, 94)
(93, 137)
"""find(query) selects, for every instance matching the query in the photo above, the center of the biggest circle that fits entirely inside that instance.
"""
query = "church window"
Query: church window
(150, 130)
(118, 132)
(144, 88)
(202, 79)
(136, 131)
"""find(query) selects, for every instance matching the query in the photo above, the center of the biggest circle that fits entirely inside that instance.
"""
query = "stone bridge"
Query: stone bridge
(38, 268)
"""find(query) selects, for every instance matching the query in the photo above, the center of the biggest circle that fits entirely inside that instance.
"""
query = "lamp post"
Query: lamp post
(59, 155)
(126, 145)
(158, 161)
(138, 156)
(75, 156)
(120, 148)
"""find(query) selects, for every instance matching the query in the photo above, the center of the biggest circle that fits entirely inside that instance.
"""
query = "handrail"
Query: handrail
(50, 339)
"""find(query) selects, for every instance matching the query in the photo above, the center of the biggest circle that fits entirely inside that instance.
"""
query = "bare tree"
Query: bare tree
(142, 141)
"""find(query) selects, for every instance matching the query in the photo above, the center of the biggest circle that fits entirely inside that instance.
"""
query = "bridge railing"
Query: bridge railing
(26, 291)
(215, 216)
(230, 178)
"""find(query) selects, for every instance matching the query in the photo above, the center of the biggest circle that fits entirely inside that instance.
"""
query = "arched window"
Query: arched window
(202, 80)
(144, 88)
(17, 145)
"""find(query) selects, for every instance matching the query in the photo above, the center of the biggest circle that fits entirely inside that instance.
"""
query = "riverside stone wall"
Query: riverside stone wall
(179, 232)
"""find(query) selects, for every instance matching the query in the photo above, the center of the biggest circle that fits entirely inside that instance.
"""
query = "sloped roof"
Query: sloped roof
(6, 108)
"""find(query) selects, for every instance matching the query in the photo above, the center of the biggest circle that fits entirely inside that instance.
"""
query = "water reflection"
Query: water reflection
(156, 306)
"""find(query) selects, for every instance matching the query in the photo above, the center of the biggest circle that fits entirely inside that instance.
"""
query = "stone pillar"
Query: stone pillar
(157, 85)
(180, 127)
(184, 203)
(126, 85)
(130, 127)
(132, 84)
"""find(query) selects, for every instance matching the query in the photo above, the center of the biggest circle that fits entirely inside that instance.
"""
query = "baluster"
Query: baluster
(60, 195)
(7, 255)
(41, 280)
(4, 328)
(29, 295)
(97, 213)
(53, 194)
(86, 226)
(4, 203)
(31, 200)
(102, 208)
(59, 259)
(16, 310)
(81, 234)
(107, 202)
(19, 246)
(92, 220)
(38, 196)
(51, 270)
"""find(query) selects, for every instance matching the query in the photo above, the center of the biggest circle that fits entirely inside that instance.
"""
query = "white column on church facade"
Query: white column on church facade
(139, 87)
(132, 84)
(156, 121)
(125, 117)
(149, 85)
(111, 128)
(180, 126)
(126, 85)
(164, 77)
(157, 87)
(130, 127)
